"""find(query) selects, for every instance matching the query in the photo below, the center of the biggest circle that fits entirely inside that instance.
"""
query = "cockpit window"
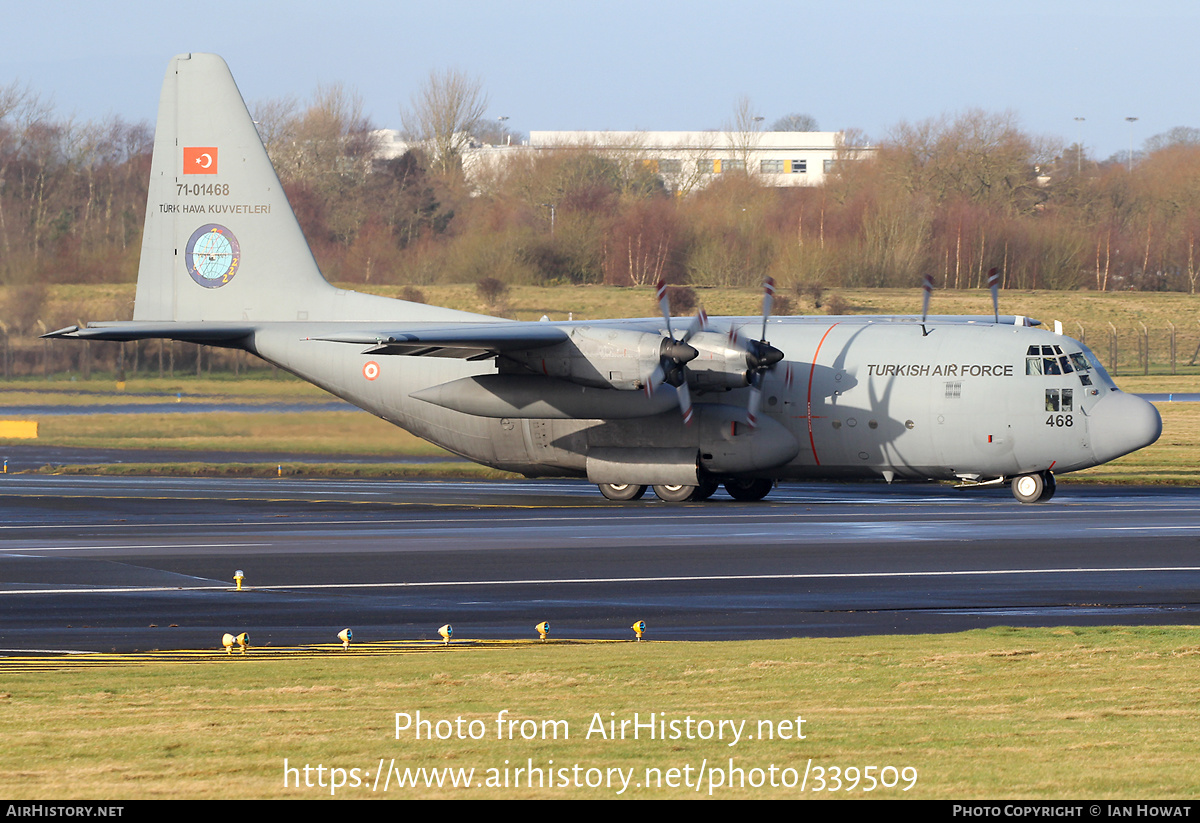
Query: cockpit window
(1096, 367)
(1052, 360)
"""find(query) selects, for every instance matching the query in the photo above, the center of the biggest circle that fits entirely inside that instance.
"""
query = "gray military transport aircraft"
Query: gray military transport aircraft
(983, 400)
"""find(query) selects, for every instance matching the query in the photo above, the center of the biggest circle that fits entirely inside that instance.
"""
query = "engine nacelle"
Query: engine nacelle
(729, 445)
(598, 356)
(719, 366)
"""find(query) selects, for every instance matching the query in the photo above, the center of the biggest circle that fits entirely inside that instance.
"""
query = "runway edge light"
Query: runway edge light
(638, 628)
(345, 635)
(543, 629)
(238, 576)
(445, 632)
(242, 641)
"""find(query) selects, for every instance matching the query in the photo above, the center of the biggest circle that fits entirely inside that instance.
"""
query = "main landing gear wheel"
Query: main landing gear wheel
(748, 489)
(1034, 488)
(622, 491)
(675, 494)
(707, 488)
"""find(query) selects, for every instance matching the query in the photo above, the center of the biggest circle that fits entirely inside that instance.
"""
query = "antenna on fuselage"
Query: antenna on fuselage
(927, 287)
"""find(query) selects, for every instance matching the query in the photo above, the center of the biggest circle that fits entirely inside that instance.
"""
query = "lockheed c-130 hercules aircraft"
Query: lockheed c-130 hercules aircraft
(628, 404)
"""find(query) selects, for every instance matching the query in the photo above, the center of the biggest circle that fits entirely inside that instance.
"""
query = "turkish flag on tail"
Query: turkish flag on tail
(200, 160)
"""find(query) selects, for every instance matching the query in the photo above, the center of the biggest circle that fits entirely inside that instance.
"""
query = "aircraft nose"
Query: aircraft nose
(1121, 423)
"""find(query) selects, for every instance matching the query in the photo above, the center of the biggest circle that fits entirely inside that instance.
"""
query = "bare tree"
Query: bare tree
(330, 138)
(796, 121)
(21, 113)
(276, 120)
(1178, 136)
(443, 113)
(744, 130)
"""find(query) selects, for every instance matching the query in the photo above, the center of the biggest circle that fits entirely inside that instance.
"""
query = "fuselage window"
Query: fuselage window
(1060, 400)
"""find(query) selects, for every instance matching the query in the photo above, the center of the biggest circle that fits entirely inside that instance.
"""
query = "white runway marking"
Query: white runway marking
(592, 580)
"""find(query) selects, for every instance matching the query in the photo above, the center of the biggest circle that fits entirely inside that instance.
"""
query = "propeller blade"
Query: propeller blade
(768, 301)
(655, 379)
(755, 404)
(685, 402)
(994, 287)
(927, 286)
(736, 339)
(699, 323)
(664, 305)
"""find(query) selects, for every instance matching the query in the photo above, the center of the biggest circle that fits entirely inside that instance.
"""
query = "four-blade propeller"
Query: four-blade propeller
(761, 356)
(675, 354)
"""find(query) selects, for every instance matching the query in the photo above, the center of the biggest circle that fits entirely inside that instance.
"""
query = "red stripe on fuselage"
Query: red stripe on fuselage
(811, 371)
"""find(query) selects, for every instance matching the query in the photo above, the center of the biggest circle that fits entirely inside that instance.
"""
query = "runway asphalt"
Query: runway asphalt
(103, 564)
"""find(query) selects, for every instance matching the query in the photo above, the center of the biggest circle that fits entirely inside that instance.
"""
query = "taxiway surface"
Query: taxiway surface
(101, 564)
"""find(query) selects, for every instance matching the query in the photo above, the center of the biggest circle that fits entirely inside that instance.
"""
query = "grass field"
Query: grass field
(1002, 713)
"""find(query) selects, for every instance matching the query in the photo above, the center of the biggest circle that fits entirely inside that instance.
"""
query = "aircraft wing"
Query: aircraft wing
(466, 340)
(469, 341)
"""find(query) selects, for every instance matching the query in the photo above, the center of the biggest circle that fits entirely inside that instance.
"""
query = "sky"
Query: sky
(648, 65)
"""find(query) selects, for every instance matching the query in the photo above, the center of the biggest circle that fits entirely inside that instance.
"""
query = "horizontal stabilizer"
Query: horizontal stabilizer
(200, 332)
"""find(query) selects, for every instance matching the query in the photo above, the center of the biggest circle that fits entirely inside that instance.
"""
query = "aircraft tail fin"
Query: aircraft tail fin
(221, 242)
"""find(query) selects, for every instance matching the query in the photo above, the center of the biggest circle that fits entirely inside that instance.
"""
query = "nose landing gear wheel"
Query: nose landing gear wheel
(1034, 488)
(622, 491)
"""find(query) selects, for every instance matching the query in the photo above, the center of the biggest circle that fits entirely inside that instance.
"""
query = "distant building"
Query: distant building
(691, 159)
(685, 160)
